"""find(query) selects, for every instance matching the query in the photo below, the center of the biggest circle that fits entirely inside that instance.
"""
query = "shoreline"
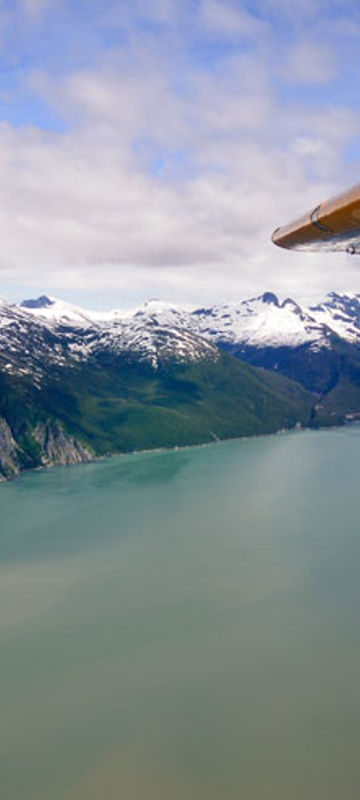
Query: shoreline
(181, 448)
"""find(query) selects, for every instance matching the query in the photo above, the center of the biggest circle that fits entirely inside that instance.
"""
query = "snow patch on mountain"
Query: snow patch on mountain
(47, 331)
(341, 313)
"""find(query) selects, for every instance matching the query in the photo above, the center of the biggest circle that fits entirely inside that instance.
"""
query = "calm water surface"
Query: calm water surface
(184, 625)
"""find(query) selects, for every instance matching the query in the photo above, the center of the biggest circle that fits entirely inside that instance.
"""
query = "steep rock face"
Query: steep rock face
(57, 447)
(45, 445)
(9, 452)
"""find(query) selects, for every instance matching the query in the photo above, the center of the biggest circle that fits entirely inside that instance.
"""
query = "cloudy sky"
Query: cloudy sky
(148, 148)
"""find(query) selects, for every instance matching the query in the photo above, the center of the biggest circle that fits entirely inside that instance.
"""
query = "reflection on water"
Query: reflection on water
(184, 625)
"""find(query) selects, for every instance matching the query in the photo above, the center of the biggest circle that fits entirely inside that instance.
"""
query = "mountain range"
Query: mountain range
(76, 384)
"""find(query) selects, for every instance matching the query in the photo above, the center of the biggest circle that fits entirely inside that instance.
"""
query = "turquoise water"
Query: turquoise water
(184, 625)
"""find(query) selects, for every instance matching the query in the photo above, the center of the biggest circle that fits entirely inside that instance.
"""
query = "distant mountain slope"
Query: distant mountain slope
(314, 346)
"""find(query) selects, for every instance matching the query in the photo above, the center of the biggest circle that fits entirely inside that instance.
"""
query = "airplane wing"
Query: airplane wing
(332, 225)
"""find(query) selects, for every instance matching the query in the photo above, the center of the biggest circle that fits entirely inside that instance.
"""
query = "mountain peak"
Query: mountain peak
(155, 306)
(270, 298)
(289, 302)
(44, 301)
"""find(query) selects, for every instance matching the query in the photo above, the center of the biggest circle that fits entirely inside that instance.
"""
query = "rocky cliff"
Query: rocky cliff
(47, 444)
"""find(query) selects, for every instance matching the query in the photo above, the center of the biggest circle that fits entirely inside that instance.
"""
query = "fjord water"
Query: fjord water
(184, 625)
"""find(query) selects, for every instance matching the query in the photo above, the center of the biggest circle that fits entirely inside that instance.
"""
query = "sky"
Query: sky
(148, 148)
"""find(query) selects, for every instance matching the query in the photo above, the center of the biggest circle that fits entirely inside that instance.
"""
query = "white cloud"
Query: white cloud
(310, 62)
(172, 173)
(231, 20)
(78, 214)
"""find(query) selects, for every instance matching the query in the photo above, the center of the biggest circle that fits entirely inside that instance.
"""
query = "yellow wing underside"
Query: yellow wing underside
(332, 225)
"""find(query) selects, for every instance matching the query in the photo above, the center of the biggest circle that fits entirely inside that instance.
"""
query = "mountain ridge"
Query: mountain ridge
(258, 320)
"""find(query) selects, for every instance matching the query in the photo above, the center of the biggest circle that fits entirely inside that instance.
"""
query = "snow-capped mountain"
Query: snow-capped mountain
(259, 322)
(262, 330)
(54, 310)
(26, 346)
(47, 331)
